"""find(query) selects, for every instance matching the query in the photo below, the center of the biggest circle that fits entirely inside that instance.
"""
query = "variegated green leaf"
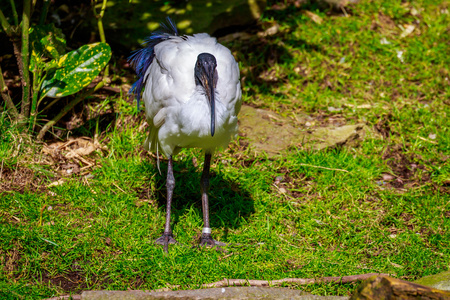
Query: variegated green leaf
(75, 70)
(36, 61)
(46, 42)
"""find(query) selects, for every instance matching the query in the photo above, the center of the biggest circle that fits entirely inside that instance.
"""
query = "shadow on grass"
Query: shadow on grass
(229, 204)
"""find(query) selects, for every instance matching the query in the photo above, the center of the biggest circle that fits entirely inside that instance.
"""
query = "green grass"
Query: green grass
(100, 229)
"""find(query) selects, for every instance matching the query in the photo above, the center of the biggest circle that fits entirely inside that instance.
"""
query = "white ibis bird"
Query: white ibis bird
(192, 94)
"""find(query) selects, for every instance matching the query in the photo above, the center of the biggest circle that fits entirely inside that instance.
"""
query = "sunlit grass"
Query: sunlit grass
(330, 214)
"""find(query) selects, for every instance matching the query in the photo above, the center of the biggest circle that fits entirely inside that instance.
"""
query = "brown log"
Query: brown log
(384, 287)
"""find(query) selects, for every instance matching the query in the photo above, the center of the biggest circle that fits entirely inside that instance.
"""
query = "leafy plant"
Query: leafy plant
(56, 74)
(75, 70)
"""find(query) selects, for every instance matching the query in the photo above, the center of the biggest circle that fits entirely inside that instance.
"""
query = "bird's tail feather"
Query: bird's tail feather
(152, 144)
(140, 60)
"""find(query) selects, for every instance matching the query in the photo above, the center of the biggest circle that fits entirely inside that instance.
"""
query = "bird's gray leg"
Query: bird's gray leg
(206, 232)
(167, 237)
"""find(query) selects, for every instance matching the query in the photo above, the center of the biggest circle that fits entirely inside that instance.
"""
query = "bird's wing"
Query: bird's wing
(169, 80)
(141, 59)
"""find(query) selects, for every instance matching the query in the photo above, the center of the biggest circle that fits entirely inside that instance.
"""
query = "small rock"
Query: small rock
(384, 41)
(283, 190)
(331, 109)
(388, 177)
(319, 222)
(384, 287)
(438, 281)
(407, 30)
(400, 55)
(272, 133)
(269, 31)
(278, 179)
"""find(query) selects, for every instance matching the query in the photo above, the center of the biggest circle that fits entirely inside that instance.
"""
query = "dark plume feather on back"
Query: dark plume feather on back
(141, 59)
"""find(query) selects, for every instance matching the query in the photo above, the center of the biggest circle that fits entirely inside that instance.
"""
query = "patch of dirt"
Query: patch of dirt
(384, 24)
(9, 260)
(407, 219)
(325, 119)
(238, 150)
(21, 179)
(290, 182)
(145, 195)
(406, 168)
(383, 127)
(71, 282)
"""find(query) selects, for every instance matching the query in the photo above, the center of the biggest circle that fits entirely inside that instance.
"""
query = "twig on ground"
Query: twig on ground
(426, 140)
(118, 187)
(66, 297)
(226, 256)
(300, 281)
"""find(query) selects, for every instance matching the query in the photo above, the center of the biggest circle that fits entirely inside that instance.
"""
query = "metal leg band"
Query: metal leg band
(206, 230)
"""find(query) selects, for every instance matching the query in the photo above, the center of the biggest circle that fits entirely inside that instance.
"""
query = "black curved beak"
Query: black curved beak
(206, 75)
(210, 92)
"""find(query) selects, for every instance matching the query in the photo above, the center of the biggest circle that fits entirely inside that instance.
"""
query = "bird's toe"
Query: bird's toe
(208, 241)
(165, 239)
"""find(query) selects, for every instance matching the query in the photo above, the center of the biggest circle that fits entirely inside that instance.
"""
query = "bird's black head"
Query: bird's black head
(206, 75)
(205, 68)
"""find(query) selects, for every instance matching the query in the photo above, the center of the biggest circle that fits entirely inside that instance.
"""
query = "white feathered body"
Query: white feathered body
(177, 110)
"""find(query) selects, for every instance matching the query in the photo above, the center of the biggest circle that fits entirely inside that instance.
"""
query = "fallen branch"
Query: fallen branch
(300, 281)
(263, 283)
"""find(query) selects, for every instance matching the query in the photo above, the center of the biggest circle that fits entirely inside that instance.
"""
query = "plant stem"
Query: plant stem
(17, 45)
(25, 111)
(67, 108)
(5, 24)
(4, 91)
(101, 31)
(33, 113)
(39, 79)
(14, 11)
(44, 12)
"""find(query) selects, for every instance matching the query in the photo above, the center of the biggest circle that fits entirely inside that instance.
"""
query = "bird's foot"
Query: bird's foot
(208, 241)
(165, 240)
